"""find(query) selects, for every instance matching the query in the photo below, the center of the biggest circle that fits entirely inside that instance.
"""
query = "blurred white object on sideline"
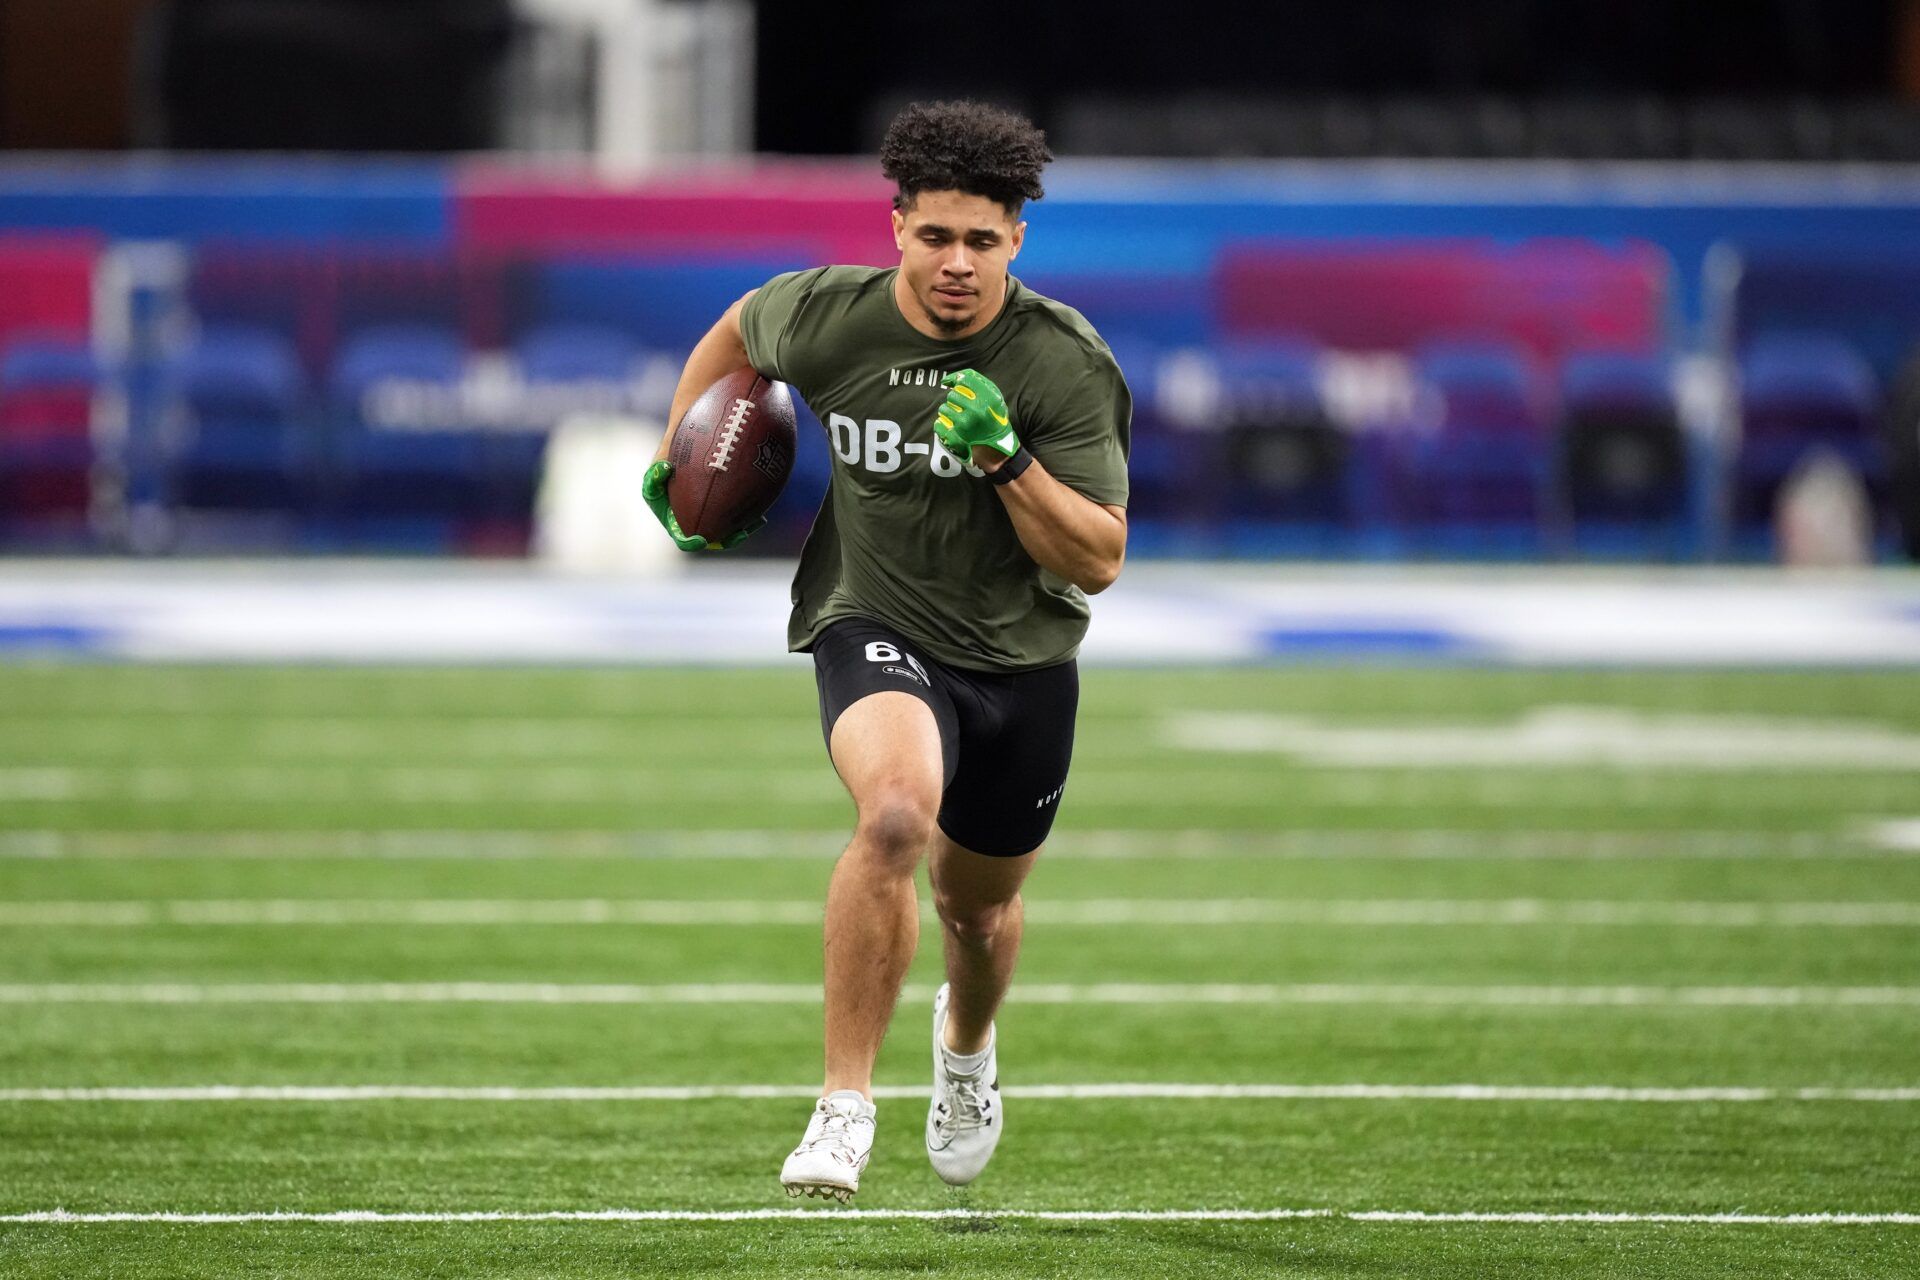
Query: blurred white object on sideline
(589, 517)
(1822, 518)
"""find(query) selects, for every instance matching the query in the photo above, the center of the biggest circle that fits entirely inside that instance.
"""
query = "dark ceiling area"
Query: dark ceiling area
(830, 76)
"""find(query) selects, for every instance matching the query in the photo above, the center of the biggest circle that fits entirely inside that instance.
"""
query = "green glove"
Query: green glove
(974, 414)
(653, 488)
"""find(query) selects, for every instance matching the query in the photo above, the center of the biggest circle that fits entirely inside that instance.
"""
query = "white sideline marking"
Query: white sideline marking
(1368, 789)
(524, 784)
(1091, 845)
(444, 911)
(1043, 1092)
(1900, 835)
(1557, 737)
(63, 1217)
(1087, 912)
(1119, 993)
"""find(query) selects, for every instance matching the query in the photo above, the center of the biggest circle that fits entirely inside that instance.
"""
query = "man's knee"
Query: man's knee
(971, 921)
(896, 821)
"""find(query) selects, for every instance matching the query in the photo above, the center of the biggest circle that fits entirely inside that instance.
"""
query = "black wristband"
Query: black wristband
(1013, 468)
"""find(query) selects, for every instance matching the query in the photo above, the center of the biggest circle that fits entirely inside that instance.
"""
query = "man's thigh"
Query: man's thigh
(885, 717)
(887, 743)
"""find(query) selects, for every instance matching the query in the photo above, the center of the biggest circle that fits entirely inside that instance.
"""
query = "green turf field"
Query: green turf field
(1603, 943)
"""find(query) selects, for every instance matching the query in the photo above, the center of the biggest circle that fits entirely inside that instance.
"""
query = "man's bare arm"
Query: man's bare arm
(1065, 532)
(720, 352)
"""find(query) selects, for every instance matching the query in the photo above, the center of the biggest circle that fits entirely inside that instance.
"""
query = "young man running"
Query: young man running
(978, 495)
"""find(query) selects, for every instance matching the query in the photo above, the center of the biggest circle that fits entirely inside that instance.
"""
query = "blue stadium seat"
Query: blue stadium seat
(1623, 464)
(575, 353)
(1139, 360)
(1162, 464)
(592, 366)
(1599, 378)
(244, 394)
(436, 470)
(240, 371)
(1816, 368)
(1800, 391)
(1280, 373)
(1474, 478)
(1485, 387)
(415, 353)
(1283, 460)
(37, 362)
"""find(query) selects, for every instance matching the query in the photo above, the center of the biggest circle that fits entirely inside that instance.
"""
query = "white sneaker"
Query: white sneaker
(963, 1124)
(839, 1139)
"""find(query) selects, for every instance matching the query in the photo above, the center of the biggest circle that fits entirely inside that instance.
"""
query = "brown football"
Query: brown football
(732, 455)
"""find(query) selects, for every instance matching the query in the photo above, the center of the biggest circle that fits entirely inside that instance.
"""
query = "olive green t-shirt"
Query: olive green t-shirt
(906, 535)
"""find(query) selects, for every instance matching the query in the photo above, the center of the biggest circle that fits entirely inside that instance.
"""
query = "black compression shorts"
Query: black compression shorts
(1006, 738)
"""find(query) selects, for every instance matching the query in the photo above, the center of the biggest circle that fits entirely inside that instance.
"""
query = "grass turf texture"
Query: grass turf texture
(260, 758)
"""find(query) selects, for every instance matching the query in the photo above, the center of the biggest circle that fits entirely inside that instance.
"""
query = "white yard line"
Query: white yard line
(1114, 993)
(490, 785)
(1510, 911)
(1042, 1092)
(1362, 913)
(455, 738)
(63, 1217)
(1559, 737)
(1898, 835)
(1363, 789)
(443, 911)
(1092, 845)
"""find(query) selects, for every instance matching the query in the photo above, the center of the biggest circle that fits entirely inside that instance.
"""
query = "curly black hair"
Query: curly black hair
(964, 146)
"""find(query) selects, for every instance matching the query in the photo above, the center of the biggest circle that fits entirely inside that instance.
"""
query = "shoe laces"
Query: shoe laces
(968, 1103)
(836, 1131)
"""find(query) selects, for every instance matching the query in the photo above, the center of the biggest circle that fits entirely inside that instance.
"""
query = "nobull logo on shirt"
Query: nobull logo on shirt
(915, 377)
